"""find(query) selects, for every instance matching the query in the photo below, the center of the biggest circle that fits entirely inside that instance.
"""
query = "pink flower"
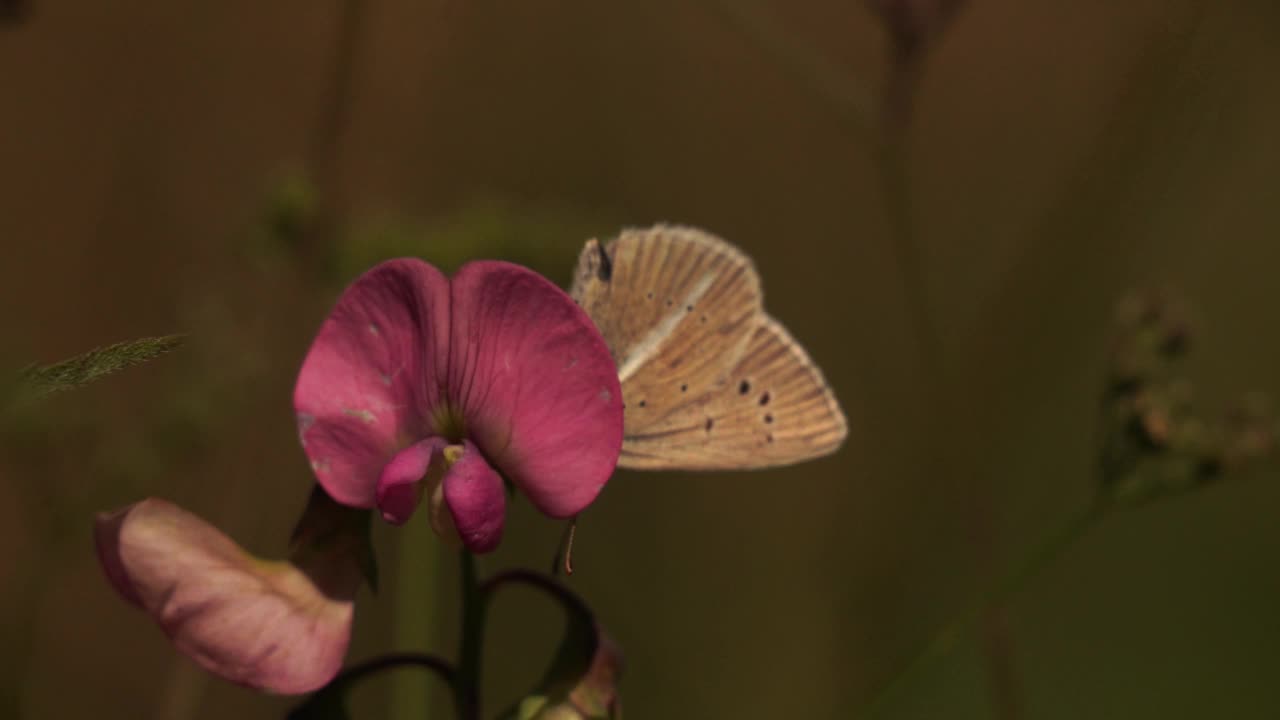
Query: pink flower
(276, 626)
(418, 384)
(415, 385)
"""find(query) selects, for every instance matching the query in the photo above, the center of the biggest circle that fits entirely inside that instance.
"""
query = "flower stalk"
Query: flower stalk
(474, 611)
(1042, 557)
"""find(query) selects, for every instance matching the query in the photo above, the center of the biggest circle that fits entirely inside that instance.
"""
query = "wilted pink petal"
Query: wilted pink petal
(535, 385)
(269, 625)
(477, 500)
(402, 481)
(368, 383)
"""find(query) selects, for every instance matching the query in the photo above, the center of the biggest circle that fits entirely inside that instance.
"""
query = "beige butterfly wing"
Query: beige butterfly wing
(709, 381)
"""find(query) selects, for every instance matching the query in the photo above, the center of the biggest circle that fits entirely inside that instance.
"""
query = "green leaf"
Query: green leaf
(40, 381)
(327, 528)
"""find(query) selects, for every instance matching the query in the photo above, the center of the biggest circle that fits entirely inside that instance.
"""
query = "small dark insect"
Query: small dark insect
(744, 388)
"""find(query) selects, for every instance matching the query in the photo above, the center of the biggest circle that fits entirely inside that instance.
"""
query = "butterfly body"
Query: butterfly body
(709, 380)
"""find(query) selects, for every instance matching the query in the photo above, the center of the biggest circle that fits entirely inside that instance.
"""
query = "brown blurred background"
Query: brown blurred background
(157, 159)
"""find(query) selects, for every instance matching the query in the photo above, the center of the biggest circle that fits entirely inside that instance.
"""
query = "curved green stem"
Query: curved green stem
(534, 580)
(474, 609)
(437, 665)
(891, 157)
(331, 700)
(1042, 556)
(475, 606)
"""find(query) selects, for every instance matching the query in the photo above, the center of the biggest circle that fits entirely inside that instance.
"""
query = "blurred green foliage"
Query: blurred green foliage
(545, 240)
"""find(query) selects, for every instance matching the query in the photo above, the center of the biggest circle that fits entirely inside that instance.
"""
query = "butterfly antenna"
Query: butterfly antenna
(564, 553)
(568, 547)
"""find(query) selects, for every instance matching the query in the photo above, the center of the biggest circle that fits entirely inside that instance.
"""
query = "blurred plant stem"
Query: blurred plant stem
(893, 165)
(895, 178)
(887, 125)
(842, 94)
(183, 691)
(415, 618)
(322, 164)
(1043, 556)
(19, 638)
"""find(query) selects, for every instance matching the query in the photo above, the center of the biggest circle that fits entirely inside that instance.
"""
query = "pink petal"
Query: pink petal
(367, 385)
(267, 625)
(477, 500)
(535, 384)
(402, 482)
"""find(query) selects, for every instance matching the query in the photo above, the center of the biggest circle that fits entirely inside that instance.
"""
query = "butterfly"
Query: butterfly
(709, 380)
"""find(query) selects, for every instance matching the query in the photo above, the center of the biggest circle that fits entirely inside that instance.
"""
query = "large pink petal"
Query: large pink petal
(535, 384)
(368, 386)
(267, 625)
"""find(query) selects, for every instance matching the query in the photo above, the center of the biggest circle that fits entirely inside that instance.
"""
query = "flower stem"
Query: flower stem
(851, 103)
(474, 607)
(1050, 548)
(332, 699)
(415, 619)
(323, 153)
(535, 580)
(891, 156)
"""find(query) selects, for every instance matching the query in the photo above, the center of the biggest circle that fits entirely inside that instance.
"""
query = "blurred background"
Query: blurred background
(944, 212)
